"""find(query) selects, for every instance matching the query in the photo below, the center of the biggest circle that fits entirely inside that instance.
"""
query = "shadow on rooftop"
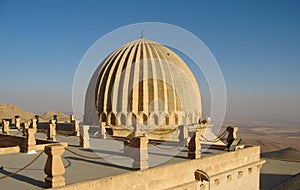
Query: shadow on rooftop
(270, 181)
(167, 155)
(98, 162)
(24, 178)
(103, 151)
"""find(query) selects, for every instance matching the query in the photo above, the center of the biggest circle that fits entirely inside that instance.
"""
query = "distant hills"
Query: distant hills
(8, 111)
(246, 123)
(49, 115)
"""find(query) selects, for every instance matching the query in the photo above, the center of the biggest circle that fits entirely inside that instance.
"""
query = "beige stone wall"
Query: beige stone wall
(230, 170)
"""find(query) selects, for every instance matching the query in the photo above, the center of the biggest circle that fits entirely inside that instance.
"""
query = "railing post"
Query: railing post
(54, 167)
(102, 131)
(72, 118)
(25, 127)
(33, 123)
(138, 150)
(84, 136)
(5, 126)
(183, 135)
(30, 141)
(231, 133)
(55, 119)
(37, 117)
(51, 135)
(194, 146)
(18, 122)
(76, 130)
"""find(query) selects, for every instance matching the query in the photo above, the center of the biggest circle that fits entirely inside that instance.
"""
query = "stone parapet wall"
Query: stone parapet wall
(182, 175)
(9, 150)
(11, 144)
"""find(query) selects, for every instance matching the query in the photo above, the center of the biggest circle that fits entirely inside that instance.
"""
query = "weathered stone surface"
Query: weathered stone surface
(137, 149)
(18, 122)
(84, 136)
(231, 133)
(30, 141)
(51, 135)
(55, 119)
(37, 117)
(72, 118)
(5, 127)
(25, 127)
(76, 128)
(33, 123)
(194, 146)
(151, 92)
(54, 168)
(182, 175)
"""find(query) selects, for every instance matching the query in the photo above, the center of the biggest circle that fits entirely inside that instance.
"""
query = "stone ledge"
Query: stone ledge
(164, 177)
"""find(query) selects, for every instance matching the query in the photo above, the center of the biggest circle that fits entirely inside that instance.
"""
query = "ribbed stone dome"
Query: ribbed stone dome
(146, 80)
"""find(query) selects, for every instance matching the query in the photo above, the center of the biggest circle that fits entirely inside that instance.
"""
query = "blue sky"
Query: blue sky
(256, 43)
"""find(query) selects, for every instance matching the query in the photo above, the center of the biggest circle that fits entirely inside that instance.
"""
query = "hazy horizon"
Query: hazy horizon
(256, 44)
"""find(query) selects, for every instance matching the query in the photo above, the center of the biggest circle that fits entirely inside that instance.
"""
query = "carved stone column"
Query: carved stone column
(37, 117)
(25, 127)
(72, 118)
(102, 130)
(54, 168)
(51, 135)
(194, 146)
(30, 140)
(18, 122)
(84, 136)
(76, 129)
(138, 150)
(34, 123)
(55, 119)
(183, 135)
(231, 133)
(5, 127)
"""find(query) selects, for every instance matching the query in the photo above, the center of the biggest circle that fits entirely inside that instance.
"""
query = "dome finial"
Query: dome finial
(142, 37)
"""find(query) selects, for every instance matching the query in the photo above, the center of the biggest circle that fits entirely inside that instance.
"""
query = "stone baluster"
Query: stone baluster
(30, 141)
(33, 123)
(5, 127)
(55, 119)
(194, 146)
(76, 129)
(37, 117)
(72, 118)
(183, 135)
(54, 167)
(53, 122)
(231, 133)
(138, 150)
(18, 122)
(84, 136)
(102, 131)
(51, 135)
(25, 126)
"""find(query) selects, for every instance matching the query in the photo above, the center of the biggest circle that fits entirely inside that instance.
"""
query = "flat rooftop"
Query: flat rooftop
(88, 165)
